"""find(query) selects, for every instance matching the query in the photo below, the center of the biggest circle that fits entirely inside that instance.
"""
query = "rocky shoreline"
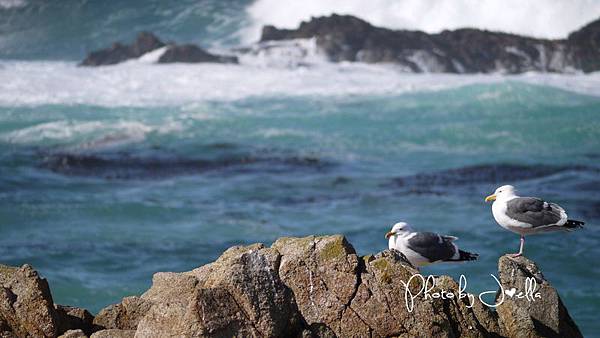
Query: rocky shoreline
(347, 38)
(298, 287)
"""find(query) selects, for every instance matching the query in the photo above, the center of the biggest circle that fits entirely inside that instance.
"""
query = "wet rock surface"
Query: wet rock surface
(315, 286)
(156, 165)
(347, 38)
(147, 42)
(480, 174)
(192, 54)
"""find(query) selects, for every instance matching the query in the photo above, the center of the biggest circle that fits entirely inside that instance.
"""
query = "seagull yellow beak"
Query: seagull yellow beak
(491, 197)
(389, 234)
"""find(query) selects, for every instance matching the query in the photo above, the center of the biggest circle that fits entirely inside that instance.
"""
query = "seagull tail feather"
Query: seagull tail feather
(465, 256)
(573, 224)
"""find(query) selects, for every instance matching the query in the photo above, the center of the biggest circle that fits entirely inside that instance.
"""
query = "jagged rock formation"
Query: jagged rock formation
(118, 52)
(298, 287)
(585, 45)
(347, 38)
(147, 42)
(544, 317)
(26, 306)
(192, 54)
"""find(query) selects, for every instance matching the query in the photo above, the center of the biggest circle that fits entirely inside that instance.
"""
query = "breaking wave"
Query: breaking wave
(139, 84)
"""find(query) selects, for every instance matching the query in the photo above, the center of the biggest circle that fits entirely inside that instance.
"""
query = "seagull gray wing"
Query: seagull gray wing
(432, 246)
(535, 211)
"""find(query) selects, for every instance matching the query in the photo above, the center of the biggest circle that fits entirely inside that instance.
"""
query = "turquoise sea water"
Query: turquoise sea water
(108, 175)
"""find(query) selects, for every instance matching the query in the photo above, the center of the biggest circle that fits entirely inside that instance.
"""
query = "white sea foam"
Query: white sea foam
(540, 18)
(50, 131)
(139, 84)
(283, 54)
(103, 134)
(153, 56)
(8, 4)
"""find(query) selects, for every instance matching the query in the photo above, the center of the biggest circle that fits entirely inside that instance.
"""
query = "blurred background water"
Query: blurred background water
(110, 174)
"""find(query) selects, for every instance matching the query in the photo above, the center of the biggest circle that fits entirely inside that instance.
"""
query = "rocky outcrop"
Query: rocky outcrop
(585, 46)
(437, 182)
(540, 313)
(239, 294)
(118, 52)
(298, 287)
(147, 42)
(26, 305)
(347, 38)
(192, 54)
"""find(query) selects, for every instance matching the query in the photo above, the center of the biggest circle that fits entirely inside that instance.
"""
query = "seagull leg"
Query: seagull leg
(520, 253)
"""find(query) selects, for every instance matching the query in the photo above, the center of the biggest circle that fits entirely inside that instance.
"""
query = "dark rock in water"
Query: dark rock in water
(315, 286)
(147, 42)
(192, 54)
(585, 46)
(122, 165)
(144, 43)
(485, 173)
(545, 316)
(347, 38)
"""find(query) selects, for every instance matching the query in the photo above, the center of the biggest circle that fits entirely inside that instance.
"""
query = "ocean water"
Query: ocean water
(110, 174)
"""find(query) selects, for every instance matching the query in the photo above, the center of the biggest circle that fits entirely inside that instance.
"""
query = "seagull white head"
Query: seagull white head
(502, 193)
(399, 228)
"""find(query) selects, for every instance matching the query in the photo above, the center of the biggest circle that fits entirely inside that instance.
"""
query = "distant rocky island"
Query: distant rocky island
(147, 42)
(348, 38)
(299, 287)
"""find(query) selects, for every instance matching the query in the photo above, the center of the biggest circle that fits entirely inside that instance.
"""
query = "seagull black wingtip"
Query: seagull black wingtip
(573, 224)
(467, 256)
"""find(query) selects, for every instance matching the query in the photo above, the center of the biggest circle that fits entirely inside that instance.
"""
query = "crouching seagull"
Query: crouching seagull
(424, 248)
(528, 215)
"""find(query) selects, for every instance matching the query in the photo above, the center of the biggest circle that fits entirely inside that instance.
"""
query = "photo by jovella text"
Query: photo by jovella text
(429, 291)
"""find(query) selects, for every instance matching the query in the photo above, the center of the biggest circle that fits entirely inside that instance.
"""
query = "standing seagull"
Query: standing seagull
(528, 215)
(423, 248)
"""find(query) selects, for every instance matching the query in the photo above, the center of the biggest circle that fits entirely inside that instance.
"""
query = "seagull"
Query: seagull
(424, 248)
(528, 215)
